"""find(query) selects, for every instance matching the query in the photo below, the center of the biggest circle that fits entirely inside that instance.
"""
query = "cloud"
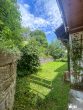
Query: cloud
(46, 13)
(26, 6)
(53, 13)
(48, 32)
(49, 9)
(29, 20)
(41, 14)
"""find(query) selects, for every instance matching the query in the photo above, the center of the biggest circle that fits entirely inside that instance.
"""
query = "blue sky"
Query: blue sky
(41, 14)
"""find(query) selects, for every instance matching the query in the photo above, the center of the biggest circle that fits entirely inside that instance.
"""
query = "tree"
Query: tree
(10, 25)
(56, 49)
(40, 38)
(25, 32)
(37, 35)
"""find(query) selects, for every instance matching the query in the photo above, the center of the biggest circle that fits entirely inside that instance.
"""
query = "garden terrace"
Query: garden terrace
(43, 90)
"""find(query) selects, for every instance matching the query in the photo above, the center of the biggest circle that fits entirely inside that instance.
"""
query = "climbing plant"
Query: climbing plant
(76, 57)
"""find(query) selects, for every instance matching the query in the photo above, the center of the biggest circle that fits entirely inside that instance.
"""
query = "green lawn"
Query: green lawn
(44, 90)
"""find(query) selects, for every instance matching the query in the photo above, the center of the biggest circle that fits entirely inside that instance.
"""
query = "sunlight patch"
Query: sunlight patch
(40, 90)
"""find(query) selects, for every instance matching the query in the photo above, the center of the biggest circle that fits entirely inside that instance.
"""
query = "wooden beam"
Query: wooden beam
(78, 29)
(72, 14)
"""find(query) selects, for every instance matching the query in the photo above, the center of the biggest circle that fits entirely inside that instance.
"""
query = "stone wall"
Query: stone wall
(7, 81)
(45, 60)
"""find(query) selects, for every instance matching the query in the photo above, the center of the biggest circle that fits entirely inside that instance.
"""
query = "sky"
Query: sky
(41, 14)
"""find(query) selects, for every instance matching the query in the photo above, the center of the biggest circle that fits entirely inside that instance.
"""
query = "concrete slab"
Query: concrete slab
(75, 100)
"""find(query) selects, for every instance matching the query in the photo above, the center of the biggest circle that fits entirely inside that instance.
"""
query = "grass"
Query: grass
(44, 90)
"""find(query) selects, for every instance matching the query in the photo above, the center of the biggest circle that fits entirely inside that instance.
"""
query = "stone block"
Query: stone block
(7, 81)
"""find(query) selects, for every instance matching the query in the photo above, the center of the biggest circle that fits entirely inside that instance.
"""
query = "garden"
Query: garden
(45, 90)
(39, 86)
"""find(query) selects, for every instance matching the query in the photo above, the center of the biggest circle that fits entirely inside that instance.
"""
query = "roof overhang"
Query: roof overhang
(72, 14)
(62, 35)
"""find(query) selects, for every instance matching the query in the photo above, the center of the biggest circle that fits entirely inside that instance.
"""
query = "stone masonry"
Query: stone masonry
(7, 81)
(46, 60)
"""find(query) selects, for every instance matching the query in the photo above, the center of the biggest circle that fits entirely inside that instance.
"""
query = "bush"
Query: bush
(61, 60)
(29, 61)
(56, 49)
(10, 26)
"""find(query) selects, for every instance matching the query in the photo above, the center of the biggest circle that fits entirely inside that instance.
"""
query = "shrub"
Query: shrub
(10, 26)
(56, 49)
(29, 61)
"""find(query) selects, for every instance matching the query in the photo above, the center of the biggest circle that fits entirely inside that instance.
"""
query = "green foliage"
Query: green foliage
(76, 56)
(56, 49)
(34, 45)
(40, 38)
(30, 59)
(9, 25)
(25, 33)
(33, 94)
(37, 35)
(24, 97)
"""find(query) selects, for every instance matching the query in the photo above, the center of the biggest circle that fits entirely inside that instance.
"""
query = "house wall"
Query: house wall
(79, 37)
(7, 81)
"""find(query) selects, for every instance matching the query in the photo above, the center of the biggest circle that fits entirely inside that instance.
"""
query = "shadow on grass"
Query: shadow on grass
(56, 99)
(61, 69)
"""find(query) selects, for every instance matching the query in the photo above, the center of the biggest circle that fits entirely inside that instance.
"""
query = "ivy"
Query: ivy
(76, 56)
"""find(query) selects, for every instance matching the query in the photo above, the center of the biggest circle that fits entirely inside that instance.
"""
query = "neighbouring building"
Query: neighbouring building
(71, 32)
